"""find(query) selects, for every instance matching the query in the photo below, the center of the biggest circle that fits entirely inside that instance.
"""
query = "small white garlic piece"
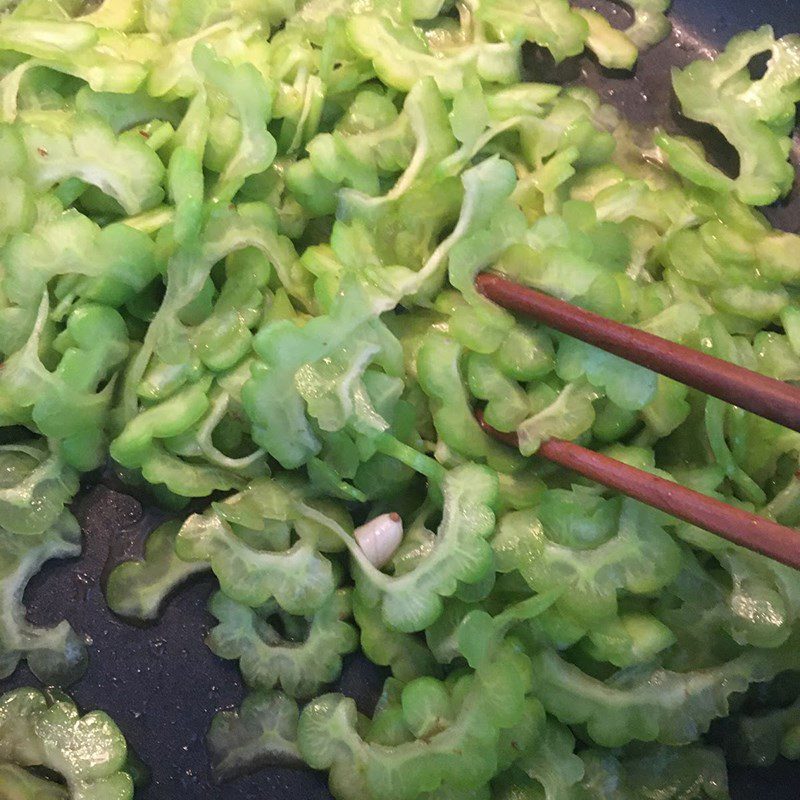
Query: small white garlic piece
(380, 537)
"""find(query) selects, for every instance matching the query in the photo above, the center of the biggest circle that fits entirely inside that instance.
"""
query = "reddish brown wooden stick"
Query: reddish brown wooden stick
(764, 396)
(734, 524)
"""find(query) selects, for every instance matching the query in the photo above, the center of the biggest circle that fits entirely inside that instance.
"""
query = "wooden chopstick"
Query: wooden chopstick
(767, 397)
(734, 524)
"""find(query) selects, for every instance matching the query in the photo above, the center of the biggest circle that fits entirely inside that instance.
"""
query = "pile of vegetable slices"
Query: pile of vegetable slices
(238, 241)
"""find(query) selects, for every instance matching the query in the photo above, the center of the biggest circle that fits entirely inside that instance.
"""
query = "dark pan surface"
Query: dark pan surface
(160, 683)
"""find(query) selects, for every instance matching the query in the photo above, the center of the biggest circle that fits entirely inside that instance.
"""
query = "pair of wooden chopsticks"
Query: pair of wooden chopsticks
(767, 397)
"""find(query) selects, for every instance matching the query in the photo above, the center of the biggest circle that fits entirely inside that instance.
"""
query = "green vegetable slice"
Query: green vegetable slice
(406, 656)
(122, 167)
(650, 23)
(568, 416)
(553, 764)
(614, 48)
(121, 15)
(412, 601)
(17, 783)
(117, 261)
(273, 397)
(460, 751)
(640, 558)
(301, 664)
(88, 751)
(755, 116)
(655, 771)
(650, 705)
(550, 23)
(237, 92)
(439, 373)
(402, 56)
(55, 655)
(263, 732)
(35, 487)
(296, 575)
(65, 404)
(625, 384)
(760, 739)
(139, 589)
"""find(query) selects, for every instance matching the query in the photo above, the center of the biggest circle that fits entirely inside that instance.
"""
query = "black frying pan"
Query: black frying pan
(161, 684)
